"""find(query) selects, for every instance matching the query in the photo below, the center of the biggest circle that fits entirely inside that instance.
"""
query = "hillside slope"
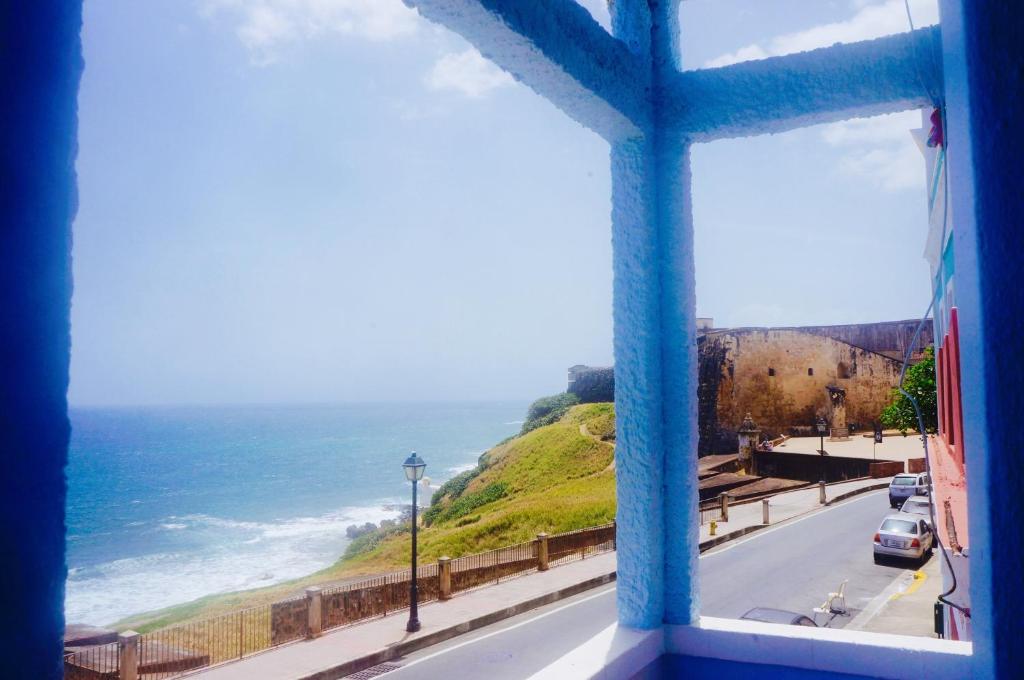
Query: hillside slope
(554, 478)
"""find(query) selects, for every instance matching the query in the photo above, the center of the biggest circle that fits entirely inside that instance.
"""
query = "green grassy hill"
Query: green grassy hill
(554, 478)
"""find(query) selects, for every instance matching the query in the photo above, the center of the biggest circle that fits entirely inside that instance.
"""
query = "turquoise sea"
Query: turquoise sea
(167, 504)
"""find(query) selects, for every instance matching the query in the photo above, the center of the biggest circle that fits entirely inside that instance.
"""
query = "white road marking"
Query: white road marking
(611, 589)
(512, 627)
(788, 523)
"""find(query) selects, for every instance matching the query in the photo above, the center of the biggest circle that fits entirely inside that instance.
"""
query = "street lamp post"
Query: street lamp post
(414, 467)
(821, 425)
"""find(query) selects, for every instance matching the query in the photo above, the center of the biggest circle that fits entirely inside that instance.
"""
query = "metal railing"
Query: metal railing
(578, 544)
(473, 571)
(92, 663)
(710, 510)
(173, 651)
(377, 596)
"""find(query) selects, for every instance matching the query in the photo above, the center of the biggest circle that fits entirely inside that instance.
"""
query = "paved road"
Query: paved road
(790, 567)
(795, 566)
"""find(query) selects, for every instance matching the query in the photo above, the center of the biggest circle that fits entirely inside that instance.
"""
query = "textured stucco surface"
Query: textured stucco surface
(983, 59)
(560, 51)
(653, 111)
(40, 64)
(868, 78)
(626, 91)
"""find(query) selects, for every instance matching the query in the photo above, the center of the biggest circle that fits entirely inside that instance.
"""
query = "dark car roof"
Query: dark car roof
(769, 615)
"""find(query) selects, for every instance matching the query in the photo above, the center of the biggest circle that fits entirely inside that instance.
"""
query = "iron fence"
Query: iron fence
(472, 571)
(710, 510)
(92, 663)
(173, 651)
(373, 597)
(578, 544)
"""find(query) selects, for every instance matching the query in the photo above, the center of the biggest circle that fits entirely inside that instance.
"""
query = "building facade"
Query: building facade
(781, 376)
(946, 448)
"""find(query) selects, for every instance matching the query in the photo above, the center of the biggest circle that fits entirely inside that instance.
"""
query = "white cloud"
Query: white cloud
(880, 150)
(466, 72)
(266, 26)
(872, 20)
(599, 10)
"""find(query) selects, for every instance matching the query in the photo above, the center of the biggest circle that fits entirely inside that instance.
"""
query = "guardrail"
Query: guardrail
(171, 652)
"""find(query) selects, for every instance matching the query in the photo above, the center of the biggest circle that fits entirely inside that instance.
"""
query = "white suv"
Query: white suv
(904, 486)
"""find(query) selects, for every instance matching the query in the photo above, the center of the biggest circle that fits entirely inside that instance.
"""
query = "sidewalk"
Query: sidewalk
(348, 650)
(907, 606)
(747, 517)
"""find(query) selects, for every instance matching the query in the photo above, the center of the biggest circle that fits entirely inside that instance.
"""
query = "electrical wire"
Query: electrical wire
(944, 169)
(910, 19)
(913, 401)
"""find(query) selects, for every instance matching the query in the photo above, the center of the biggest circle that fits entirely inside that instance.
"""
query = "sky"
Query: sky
(337, 201)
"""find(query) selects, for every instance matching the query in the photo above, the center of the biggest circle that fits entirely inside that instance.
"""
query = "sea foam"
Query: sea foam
(231, 555)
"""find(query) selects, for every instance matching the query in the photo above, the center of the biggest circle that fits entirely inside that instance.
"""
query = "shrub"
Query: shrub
(470, 502)
(454, 486)
(370, 540)
(547, 410)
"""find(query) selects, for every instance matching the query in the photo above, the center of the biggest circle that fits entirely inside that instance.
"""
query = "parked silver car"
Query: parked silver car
(903, 486)
(918, 505)
(903, 535)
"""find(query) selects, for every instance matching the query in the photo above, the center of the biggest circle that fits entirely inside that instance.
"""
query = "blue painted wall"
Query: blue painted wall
(983, 61)
(673, 666)
(40, 64)
(983, 56)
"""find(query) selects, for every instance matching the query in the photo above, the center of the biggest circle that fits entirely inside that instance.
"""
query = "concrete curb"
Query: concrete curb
(402, 648)
(725, 538)
(857, 492)
(809, 485)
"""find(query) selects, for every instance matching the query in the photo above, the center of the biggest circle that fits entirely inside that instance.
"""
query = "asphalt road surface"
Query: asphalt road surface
(793, 566)
(797, 565)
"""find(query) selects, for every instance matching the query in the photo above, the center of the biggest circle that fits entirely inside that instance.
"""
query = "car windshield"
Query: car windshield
(902, 526)
(916, 507)
(904, 481)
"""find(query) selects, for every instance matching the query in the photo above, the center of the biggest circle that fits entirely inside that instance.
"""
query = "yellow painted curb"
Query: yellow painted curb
(919, 578)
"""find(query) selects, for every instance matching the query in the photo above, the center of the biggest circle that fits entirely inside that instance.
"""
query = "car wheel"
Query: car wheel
(878, 560)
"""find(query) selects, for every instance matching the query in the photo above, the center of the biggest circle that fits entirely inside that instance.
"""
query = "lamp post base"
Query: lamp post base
(412, 626)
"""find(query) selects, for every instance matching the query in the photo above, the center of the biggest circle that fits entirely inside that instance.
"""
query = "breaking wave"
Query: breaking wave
(216, 555)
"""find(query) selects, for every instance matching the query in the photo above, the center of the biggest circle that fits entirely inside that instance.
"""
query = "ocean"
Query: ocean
(168, 504)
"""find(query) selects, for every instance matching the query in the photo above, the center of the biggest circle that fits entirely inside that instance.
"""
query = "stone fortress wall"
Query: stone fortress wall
(780, 375)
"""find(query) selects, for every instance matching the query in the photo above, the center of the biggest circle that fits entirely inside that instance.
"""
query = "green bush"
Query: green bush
(454, 486)
(470, 502)
(370, 540)
(547, 410)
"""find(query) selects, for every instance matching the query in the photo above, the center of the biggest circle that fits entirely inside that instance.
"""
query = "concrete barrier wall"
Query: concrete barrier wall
(885, 468)
(809, 468)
